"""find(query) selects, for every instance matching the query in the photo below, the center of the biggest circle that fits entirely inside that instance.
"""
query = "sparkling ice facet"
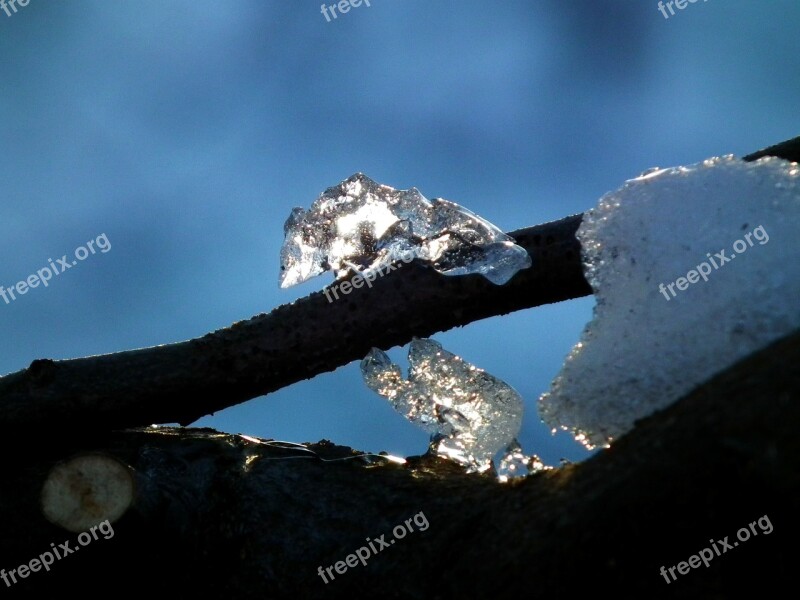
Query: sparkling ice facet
(359, 223)
(471, 414)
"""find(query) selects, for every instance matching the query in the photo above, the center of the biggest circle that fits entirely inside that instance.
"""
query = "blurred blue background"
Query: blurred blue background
(187, 130)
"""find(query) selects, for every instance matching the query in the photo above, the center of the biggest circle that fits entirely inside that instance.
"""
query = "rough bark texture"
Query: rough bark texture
(219, 515)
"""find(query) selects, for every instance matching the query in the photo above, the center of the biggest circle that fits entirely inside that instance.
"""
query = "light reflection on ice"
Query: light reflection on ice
(470, 414)
(359, 223)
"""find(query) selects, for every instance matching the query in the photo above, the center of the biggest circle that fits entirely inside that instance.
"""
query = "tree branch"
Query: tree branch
(223, 516)
(182, 382)
(185, 381)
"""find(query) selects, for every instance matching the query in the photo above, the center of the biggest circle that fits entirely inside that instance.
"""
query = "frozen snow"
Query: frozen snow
(649, 344)
(470, 414)
(360, 224)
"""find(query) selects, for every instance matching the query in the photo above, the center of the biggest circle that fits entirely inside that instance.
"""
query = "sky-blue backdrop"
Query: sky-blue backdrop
(186, 130)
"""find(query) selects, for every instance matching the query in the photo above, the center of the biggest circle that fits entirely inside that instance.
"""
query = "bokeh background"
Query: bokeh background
(186, 130)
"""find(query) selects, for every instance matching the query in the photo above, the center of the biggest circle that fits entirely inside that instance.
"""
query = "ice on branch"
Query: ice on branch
(469, 414)
(515, 463)
(360, 224)
(693, 268)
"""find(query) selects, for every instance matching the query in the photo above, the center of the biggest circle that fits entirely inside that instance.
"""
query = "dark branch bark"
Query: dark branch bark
(788, 150)
(185, 381)
(219, 516)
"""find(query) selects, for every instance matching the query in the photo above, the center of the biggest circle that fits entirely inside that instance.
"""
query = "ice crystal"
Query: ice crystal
(470, 414)
(516, 464)
(359, 224)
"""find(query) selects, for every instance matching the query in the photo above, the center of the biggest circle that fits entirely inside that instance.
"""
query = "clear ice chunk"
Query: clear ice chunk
(661, 327)
(470, 414)
(360, 224)
(516, 464)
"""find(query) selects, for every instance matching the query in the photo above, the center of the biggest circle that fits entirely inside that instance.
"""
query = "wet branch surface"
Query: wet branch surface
(220, 516)
(179, 383)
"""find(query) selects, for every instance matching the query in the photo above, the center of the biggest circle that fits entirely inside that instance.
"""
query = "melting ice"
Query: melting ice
(359, 224)
(470, 414)
(641, 352)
